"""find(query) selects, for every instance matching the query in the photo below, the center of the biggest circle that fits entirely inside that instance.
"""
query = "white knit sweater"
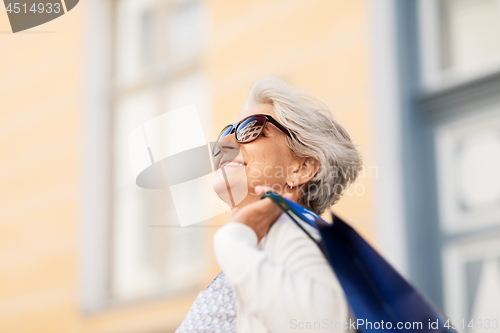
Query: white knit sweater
(284, 283)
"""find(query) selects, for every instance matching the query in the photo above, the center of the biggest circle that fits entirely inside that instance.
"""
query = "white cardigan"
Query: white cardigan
(284, 283)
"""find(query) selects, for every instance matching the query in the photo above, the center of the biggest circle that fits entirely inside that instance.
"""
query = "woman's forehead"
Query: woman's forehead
(255, 109)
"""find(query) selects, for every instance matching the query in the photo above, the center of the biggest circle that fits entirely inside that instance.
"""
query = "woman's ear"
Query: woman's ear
(308, 167)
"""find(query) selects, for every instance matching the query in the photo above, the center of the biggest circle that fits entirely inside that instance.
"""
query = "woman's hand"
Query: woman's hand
(259, 215)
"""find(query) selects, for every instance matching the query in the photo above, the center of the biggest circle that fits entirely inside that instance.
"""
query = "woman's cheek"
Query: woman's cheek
(254, 170)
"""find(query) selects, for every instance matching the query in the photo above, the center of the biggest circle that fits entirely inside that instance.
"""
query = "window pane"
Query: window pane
(186, 258)
(134, 208)
(470, 31)
(133, 269)
(130, 112)
(468, 160)
(134, 39)
(184, 29)
(191, 88)
(472, 274)
(478, 160)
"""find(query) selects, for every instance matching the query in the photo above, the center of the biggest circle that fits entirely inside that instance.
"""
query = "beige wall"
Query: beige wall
(320, 45)
(40, 111)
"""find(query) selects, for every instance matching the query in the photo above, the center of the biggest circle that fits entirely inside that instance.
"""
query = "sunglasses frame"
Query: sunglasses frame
(235, 126)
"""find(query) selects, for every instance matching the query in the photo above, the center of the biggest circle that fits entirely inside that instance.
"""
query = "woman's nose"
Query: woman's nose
(229, 146)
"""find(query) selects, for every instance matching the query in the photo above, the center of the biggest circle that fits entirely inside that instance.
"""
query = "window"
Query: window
(156, 69)
(459, 39)
(470, 31)
(472, 272)
(468, 160)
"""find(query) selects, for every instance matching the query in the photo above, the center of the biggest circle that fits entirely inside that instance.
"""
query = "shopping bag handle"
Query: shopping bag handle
(294, 210)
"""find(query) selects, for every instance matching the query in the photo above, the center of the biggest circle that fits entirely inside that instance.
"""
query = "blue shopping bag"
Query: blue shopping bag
(380, 298)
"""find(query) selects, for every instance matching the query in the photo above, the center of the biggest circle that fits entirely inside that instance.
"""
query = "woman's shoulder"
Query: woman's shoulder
(286, 241)
(287, 229)
(288, 245)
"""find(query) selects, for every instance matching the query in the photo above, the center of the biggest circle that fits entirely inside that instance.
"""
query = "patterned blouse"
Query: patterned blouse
(213, 311)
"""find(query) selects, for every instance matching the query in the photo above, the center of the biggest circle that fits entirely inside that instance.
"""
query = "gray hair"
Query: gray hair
(315, 135)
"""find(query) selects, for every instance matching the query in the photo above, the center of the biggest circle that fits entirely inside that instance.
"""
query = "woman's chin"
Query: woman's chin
(234, 192)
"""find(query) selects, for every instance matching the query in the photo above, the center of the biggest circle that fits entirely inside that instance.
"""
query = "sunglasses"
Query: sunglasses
(248, 129)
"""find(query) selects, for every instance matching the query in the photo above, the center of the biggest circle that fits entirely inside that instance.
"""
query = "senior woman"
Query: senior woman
(273, 277)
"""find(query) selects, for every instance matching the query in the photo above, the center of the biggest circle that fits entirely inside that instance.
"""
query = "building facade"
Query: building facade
(436, 69)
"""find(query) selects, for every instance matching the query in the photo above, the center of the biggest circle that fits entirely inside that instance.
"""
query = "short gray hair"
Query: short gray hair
(316, 135)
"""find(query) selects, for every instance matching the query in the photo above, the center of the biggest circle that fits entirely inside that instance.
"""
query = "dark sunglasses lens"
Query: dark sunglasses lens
(250, 128)
(225, 132)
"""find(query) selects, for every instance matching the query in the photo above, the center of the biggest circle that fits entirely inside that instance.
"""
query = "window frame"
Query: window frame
(433, 79)
(101, 95)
